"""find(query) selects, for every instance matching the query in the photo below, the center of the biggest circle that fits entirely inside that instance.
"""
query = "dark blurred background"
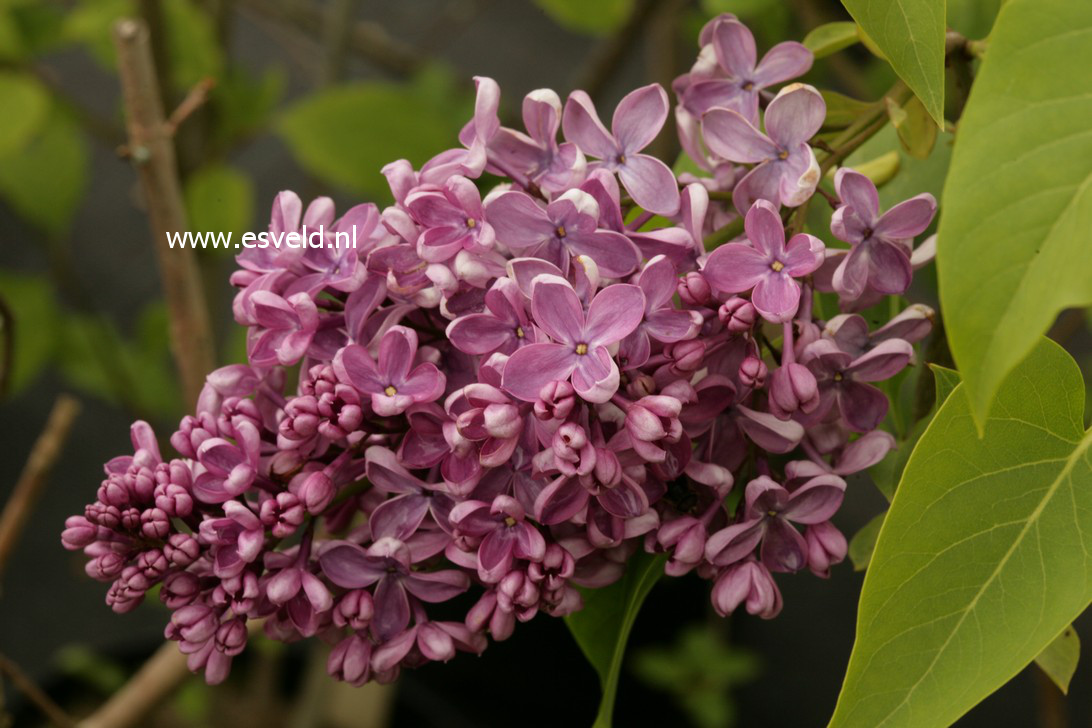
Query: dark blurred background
(316, 97)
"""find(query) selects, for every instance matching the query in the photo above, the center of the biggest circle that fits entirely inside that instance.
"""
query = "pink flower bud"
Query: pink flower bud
(752, 372)
(793, 388)
(737, 314)
(694, 290)
(826, 547)
(315, 490)
(686, 356)
(747, 583)
(555, 401)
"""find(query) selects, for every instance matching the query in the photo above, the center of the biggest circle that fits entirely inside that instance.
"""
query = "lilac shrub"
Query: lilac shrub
(515, 384)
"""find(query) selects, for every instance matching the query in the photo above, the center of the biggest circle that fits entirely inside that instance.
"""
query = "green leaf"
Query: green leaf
(881, 169)
(191, 43)
(37, 324)
(44, 181)
(89, 24)
(916, 130)
(345, 134)
(863, 542)
(972, 18)
(219, 199)
(602, 627)
(983, 558)
(946, 380)
(1059, 659)
(1012, 248)
(25, 104)
(830, 38)
(593, 17)
(842, 110)
(910, 34)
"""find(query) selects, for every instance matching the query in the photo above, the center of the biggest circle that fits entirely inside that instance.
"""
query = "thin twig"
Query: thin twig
(35, 694)
(194, 100)
(160, 676)
(606, 58)
(35, 473)
(154, 682)
(368, 40)
(152, 149)
(7, 340)
(338, 28)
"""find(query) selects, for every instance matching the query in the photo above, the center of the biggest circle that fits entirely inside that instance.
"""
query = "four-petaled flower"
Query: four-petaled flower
(582, 340)
(391, 384)
(637, 120)
(767, 265)
(786, 171)
(880, 257)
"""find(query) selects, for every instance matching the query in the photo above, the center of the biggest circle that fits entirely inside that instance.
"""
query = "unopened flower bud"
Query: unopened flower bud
(694, 290)
(555, 401)
(737, 314)
(826, 547)
(752, 372)
(686, 356)
(315, 490)
(793, 388)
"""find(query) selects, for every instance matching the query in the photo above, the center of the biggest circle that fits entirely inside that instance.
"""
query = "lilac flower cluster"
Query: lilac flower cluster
(511, 394)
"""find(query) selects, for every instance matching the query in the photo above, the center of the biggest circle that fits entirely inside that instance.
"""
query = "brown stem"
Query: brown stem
(154, 682)
(338, 28)
(157, 678)
(368, 40)
(153, 151)
(7, 341)
(608, 57)
(35, 694)
(35, 473)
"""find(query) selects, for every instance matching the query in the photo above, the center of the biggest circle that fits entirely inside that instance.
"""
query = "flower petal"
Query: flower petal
(614, 312)
(557, 310)
(582, 126)
(783, 62)
(794, 115)
(907, 219)
(731, 137)
(735, 48)
(534, 366)
(858, 192)
(639, 117)
(736, 267)
(651, 183)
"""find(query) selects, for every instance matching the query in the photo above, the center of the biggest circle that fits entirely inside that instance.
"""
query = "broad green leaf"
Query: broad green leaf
(972, 18)
(984, 556)
(881, 169)
(44, 181)
(1014, 234)
(910, 34)
(1059, 659)
(887, 473)
(219, 198)
(602, 627)
(89, 24)
(946, 380)
(593, 17)
(863, 542)
(842, 110)
(25, 104)
(345, 134)
(699, 672)
(830, 38)
(916, 130)
(36, 327)
(191, 42)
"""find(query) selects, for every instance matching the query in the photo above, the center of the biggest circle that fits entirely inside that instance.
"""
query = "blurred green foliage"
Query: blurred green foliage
(699, 671)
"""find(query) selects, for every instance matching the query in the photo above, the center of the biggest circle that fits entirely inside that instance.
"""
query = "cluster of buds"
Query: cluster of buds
(510, 394)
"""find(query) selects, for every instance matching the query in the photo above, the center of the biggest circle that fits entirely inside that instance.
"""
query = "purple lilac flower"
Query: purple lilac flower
(637, 120)
(786, 172)
(767, 265)
(881, 244)
(580, 340)
(734, 46)
(389, 381)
